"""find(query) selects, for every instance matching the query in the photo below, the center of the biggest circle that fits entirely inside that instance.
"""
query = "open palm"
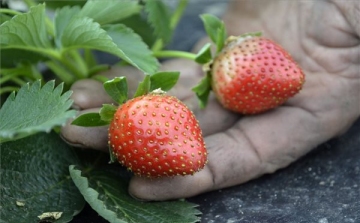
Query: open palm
(322, 37)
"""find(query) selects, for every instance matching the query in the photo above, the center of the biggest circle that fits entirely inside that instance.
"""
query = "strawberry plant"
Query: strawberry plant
(43, 179)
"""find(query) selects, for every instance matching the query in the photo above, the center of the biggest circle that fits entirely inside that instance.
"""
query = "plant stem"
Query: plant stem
(178, 13)
(10, 11)
(174, 53)
(18, 81)
(98, 68)
(158, 45)
(174, 20)
(35, 73)
(89, 58)
(73, 63)
(80, 62)
(61, 72)
(8, 89)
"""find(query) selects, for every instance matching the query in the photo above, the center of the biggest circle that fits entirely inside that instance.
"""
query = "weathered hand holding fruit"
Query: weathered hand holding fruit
(243, 148)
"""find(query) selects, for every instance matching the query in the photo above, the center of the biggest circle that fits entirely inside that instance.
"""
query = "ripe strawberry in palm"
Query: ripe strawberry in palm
(156, 135)
(253, 74)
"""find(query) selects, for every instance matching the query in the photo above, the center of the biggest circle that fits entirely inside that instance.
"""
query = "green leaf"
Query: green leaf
(112, 11)
(4, 18)
(135, 51)
(62, 19)
(163, 80)
(83, 32)
(86, 34)
(106, 193)
(117, 89)
(215, 29)
(204, 54)
(26, 32)
(221, 38)
(202, 90)
(107, 112)
(62, 3)
(99, 78)
(143, 87)
(159, 17)
(24, 70)
(89, 120)
(35, 179)
(34, 109)
(140, 26)
(12, 57)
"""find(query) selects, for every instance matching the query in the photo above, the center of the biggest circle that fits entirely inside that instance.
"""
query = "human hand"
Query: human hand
(322, 37)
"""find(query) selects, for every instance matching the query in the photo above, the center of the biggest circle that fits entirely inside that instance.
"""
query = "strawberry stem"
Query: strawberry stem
(174, 53)
(175, 18)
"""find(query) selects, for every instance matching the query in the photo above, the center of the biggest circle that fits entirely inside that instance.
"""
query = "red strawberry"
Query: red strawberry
(156, 135)
(253, 74)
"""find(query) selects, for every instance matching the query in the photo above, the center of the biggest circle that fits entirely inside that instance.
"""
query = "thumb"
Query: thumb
(159, 189)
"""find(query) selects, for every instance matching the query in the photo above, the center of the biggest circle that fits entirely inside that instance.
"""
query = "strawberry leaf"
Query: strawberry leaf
(26, 30)
(117, 89)
(202, 90)
(215, 29)
(11, 57)
(135, 51)
(159, 17)
(34, 109)
(163, 80)
(83, 32)
(24, 38)
(62, 19)
(112, 11)
(143, 87)
(89, 120)
(4, 18)
(204, 54)
(221, 38)
(107, 193)
(141, 26)
(107, 112)
(35, 179)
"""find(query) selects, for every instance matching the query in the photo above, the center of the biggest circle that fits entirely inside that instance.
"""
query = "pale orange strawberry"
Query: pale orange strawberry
(253, 74)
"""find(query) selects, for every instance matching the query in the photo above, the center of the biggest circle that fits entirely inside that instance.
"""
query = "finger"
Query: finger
(89, 93)
(248, 150)
(264, 143)
(171, 188)
(86, 137)
(190, 74)
(213, 118)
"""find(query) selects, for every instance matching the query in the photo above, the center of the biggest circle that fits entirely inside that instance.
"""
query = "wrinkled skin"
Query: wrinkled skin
(323, 36)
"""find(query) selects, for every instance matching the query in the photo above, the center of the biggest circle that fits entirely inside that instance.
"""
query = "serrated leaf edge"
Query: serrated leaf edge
(91, 195)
